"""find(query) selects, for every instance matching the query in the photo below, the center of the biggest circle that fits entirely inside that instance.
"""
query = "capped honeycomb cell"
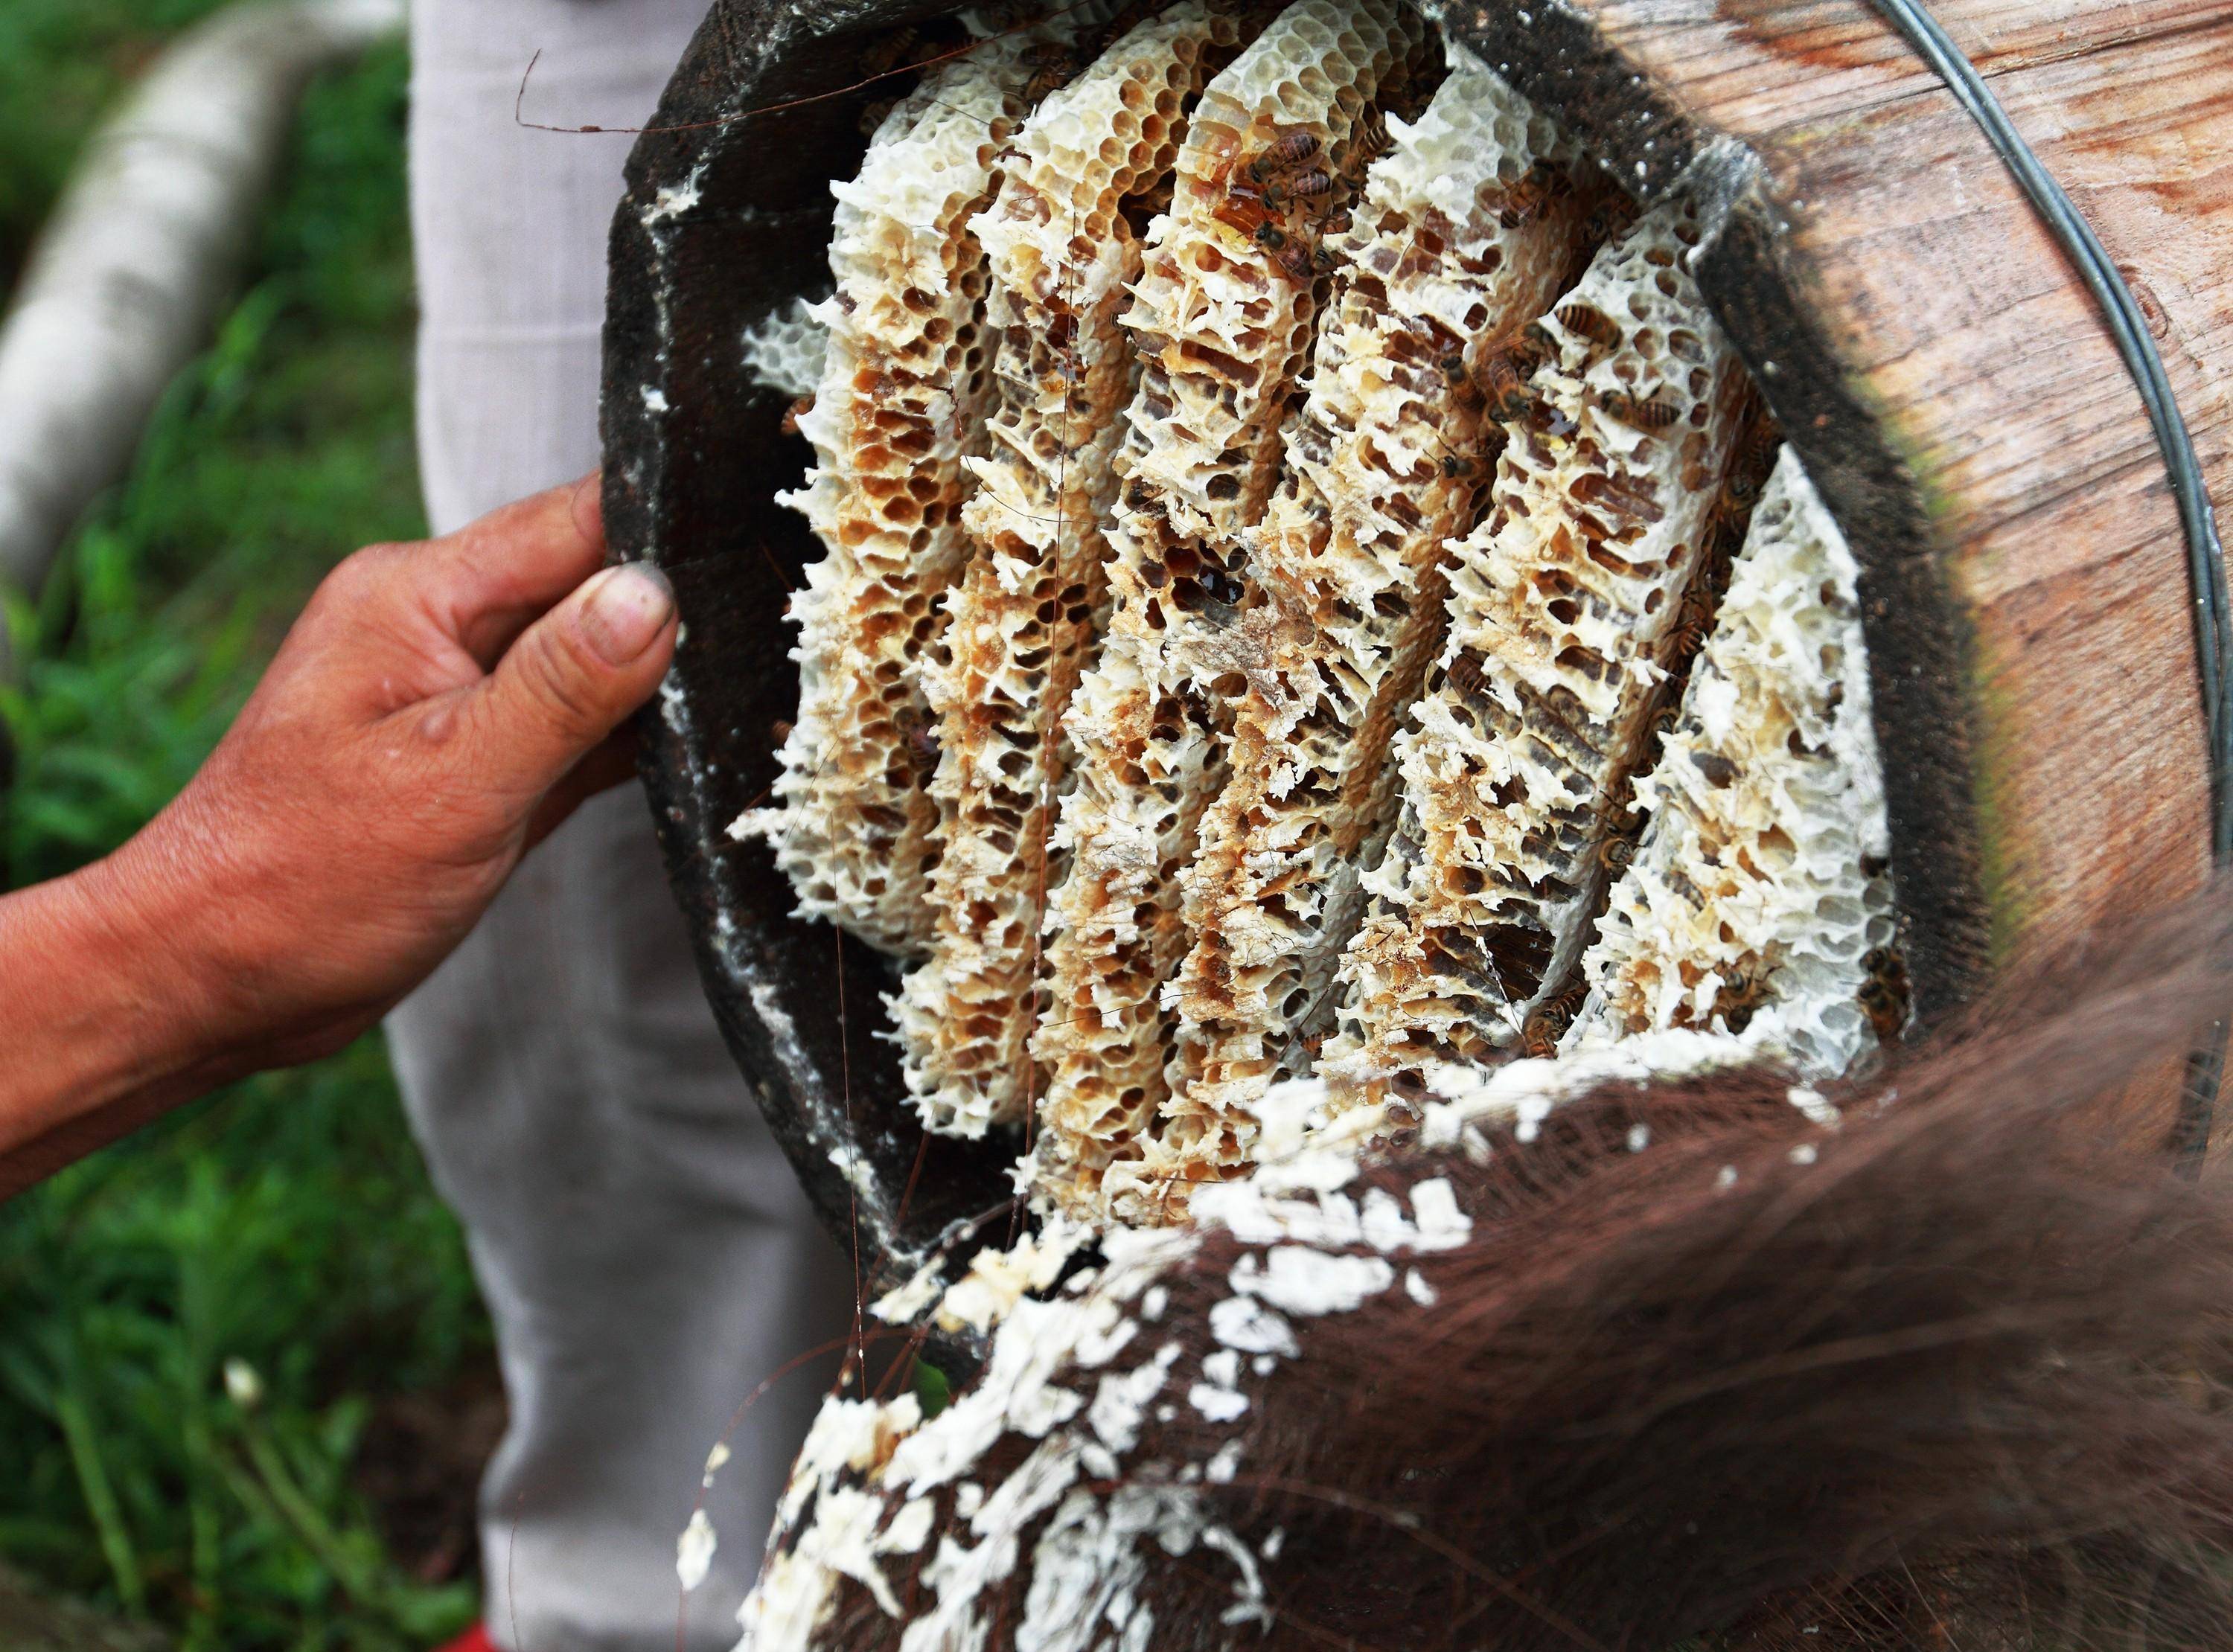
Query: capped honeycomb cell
(1758, 904)
(1564, 609)
(1467, 230)
(1062, 246)
(1221, 320)
(900, 400)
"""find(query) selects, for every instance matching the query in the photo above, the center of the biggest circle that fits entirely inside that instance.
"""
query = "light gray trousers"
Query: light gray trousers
(645, 1252)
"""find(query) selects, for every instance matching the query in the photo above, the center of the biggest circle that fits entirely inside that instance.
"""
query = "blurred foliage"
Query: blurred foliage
(283, 1228)
(61, 63)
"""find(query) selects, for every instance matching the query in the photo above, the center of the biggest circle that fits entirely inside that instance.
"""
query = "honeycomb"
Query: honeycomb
(787, 351)
(1061, 247)
(1466, 230)
(900, 403)
(1306, 595)
(1566, 603)
(1221, 318)
(1758, 904)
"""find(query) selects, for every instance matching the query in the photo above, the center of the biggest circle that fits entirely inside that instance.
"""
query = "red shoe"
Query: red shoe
(473, 1640)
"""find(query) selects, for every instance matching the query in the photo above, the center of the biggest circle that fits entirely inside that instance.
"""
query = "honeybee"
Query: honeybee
(1884, 995)
(1616, 854)
(1756, 454)
(1547, 1022)
(1367, 143)
(1723, 537)
(1532, 193)
(1301, 263)
(1588, 321)
(1531, 347)
(1282, 155)
(779, 731)
(1743, 489)
(921, 739)
(1464, 675)
(1452, 367)
(895, 50)
(1507, 397)
(1053, 66)
(1644, 413)
(793, 414)
(1738, 997)
(1694, 620)
(1613, 213)
(1616, 811)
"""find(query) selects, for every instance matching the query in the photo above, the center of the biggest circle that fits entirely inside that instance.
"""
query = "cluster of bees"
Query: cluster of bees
(1281, 198)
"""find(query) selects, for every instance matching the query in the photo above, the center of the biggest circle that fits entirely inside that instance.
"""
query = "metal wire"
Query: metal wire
(2204, 557)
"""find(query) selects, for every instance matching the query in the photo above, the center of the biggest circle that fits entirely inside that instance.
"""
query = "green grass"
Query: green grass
(286, 1224)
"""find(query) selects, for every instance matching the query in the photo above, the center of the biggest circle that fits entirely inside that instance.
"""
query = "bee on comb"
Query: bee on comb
(1650, 413)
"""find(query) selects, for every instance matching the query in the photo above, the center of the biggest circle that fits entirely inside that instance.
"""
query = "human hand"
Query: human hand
(435, 711)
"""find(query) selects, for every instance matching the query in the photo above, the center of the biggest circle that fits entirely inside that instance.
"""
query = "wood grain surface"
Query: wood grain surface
(1961, 332)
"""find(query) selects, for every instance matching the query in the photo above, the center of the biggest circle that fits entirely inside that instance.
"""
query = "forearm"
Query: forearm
(104, 1019)
(436, 708)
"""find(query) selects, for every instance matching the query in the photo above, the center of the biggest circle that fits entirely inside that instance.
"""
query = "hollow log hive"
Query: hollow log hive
(1368, 646)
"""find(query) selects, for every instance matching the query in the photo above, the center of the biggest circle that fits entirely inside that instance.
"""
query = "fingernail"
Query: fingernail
(624, 610)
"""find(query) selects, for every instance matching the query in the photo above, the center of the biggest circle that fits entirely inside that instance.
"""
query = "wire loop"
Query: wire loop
(2205, 558)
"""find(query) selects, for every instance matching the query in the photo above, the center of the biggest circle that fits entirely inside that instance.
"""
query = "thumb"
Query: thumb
(573, 677)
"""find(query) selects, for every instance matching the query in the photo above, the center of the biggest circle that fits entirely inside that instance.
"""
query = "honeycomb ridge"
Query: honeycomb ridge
(1466, 230)
(1061, 249)
(1565, 608)
(787, 349)
(1758, 904)
(1220, 326)
(901, 397)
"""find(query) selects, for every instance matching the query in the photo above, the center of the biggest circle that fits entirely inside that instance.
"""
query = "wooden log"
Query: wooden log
(1925, 345)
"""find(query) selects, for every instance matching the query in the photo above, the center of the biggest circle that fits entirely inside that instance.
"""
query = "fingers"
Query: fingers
(569, 680)
(489, 580)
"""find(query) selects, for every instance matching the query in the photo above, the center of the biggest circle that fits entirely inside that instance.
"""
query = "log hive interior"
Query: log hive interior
(1351, 548)
(1290, 692)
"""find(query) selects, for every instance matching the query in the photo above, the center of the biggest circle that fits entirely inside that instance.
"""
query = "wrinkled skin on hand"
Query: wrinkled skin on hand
(438, 709)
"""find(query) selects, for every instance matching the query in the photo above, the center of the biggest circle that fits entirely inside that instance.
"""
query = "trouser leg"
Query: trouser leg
(645, 1252)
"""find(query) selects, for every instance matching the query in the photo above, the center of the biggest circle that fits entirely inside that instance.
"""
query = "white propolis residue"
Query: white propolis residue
(693, 1550)
(1079, 1367)
(997, 1280)
(674, 199)
(905, 1302)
